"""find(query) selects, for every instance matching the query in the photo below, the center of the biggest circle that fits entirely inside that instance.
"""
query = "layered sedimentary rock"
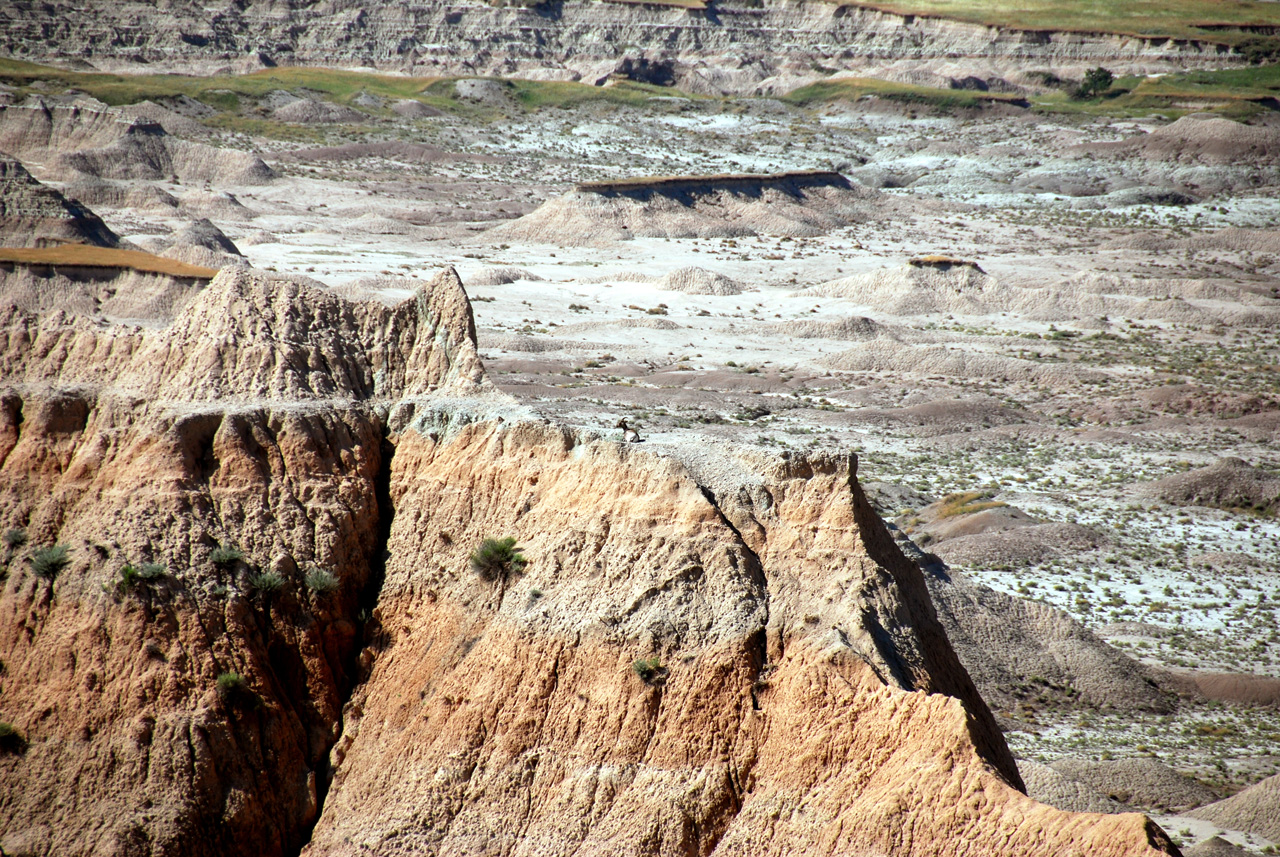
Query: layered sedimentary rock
(131, 446)
(733, 46)
(708, 651)
(34, 215)
(805, 203)
(87, 139)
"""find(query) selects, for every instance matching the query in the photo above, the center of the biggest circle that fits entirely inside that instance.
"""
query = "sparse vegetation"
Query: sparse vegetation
(234, 690)
(225, 556)
(86, 256)
(321, 581)
(11, 740)
(15, 538)
(650, 670)
(267, 582)
(498, 559)
(47, 562)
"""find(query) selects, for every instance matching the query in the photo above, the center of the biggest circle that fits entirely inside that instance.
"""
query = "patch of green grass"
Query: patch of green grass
(853, 88)
(1222, 23)
(1234, 93)
(15, 538)
(231, 94)
(221, 91)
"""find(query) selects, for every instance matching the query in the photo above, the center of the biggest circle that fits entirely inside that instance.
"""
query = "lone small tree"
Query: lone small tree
(1096, 81)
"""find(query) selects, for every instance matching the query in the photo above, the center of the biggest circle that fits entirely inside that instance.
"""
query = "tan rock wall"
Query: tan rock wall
(506, 718)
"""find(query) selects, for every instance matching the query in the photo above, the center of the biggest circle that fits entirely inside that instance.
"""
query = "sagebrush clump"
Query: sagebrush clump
(650, 670)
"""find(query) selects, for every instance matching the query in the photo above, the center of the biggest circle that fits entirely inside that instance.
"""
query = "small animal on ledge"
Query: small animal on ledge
(629, 435)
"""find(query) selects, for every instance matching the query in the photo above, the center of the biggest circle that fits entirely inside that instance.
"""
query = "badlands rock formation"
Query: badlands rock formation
(1256, 809)
(802, 203)
(35, 215)
(737, 46)
(86, 139)
(797, 693)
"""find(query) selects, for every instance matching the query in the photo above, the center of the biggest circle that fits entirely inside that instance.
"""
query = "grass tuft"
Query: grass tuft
(321, 581)
(498, 559)
(267, 582)
(226, 556)
(47, 562)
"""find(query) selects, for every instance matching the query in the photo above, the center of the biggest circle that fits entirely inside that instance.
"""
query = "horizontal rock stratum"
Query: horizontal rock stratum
(799, 694)
(734, 46)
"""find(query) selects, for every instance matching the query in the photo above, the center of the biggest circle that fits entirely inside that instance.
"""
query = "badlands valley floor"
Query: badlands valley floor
(1051, 339)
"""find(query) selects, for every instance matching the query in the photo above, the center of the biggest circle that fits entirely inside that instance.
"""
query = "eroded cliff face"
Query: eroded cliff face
(132, 446)
(801, 696)
(735, 47)
(811, 703)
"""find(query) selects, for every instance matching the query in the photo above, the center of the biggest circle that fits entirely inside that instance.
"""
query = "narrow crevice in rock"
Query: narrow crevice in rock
(370, 628)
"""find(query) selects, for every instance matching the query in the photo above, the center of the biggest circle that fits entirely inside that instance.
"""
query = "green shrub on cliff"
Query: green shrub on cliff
(321, 581)
(498, 559)
(650, 670)
(267, 582)
(226, 556)
(234, 689)
(11, 740)
(46, 562)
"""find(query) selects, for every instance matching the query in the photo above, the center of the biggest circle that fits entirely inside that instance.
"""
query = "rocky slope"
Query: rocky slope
(804, 203)
(736, 46)
(34, 215)
(86, 139)
(798, 694)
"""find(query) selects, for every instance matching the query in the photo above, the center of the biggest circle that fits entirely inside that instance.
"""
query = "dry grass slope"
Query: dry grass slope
(85, 256)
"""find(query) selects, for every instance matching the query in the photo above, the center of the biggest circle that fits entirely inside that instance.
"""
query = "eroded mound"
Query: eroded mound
(501, 276)
(788, 204)
(306, 111)
(82, 139)
(252, 335)
(1142, 783)
(693, 280)
(1231, 483)
(1054, 788)
(203, 243)
(1255, 810)
(33, 214)
(1203, 139)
